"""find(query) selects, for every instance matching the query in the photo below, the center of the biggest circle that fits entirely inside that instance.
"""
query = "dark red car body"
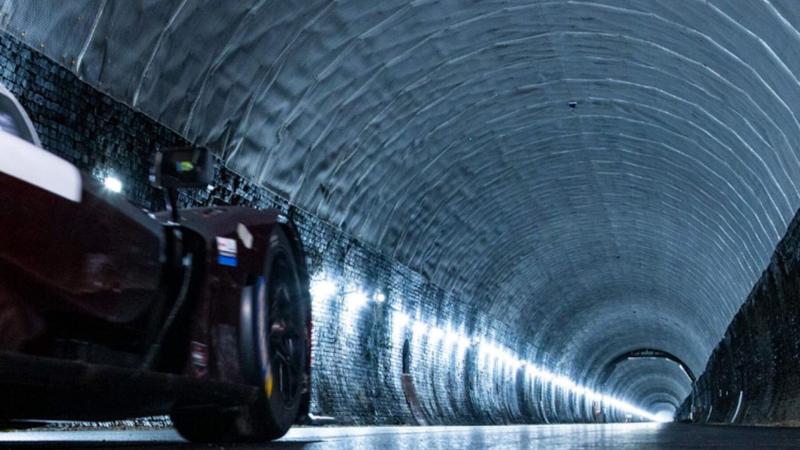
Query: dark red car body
(107, 311)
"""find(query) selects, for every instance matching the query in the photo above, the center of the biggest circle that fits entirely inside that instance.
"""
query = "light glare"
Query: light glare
(356, 299)
(435, 334)
(663, 416)
(322, 289)
(113, 184)
(400, 320)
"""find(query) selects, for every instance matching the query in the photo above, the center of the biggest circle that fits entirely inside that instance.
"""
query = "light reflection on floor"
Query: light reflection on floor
(617, 436)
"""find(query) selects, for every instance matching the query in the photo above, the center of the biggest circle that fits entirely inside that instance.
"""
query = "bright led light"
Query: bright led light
(400, 320)
(545, 376)
(663, 416)
(564, 383)
(593, 396)
(113, 184)
(379, 297)
(356, 299)
(435, 334)
(454, 338)
(512, 361)
(419, 328)
(494, 354)
(584, 392)
(322, 289)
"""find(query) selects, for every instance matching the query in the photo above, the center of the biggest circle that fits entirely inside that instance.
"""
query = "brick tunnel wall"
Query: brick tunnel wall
(358, 352)
(753, 375)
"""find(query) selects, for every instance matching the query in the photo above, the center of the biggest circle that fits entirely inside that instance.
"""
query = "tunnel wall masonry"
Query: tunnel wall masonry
(357, 353)
(759, 357)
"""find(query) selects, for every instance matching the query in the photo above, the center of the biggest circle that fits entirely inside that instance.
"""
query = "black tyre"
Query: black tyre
(273, 338)
(205, 425)
(275, 347)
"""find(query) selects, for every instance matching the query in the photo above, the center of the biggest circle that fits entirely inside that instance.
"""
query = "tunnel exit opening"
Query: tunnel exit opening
(664, 411)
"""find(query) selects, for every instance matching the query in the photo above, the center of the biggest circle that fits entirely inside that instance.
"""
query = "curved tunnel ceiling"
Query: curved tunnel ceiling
(442, 132)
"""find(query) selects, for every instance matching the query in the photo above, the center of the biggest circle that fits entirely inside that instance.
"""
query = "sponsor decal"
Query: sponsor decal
(226, 251)
(199, 354)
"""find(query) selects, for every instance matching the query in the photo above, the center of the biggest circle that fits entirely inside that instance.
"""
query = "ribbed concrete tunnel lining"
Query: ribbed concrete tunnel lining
(441, 132)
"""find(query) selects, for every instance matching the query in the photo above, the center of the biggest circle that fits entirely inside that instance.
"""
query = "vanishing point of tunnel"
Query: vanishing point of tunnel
(508, 208)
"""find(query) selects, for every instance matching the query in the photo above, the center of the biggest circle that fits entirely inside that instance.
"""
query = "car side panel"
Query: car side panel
(100, 256)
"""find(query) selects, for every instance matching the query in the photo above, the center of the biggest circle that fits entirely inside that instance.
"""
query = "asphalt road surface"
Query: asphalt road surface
(615, 436)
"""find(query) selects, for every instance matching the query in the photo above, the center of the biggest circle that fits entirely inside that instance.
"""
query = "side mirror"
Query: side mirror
(182, 167)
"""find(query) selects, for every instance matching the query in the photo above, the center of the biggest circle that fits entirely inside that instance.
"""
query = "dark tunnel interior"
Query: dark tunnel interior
(564, 184)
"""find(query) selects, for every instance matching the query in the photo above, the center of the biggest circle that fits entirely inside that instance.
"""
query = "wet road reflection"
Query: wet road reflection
(616, 436)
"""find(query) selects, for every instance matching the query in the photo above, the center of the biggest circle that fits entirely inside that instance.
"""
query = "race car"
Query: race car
(108, 311)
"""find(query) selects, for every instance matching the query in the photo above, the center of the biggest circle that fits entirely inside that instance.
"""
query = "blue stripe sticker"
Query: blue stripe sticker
(224, 260)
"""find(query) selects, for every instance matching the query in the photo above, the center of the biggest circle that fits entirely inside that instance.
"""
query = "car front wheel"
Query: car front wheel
(273, 341)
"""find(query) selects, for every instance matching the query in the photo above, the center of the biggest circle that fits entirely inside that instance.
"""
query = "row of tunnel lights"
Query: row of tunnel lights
(323, 289)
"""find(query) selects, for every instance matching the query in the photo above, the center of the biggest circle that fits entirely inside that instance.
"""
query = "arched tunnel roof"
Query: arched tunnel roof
(599, 175)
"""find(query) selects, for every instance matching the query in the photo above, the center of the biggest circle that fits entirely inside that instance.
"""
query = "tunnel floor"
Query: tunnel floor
(616, 436)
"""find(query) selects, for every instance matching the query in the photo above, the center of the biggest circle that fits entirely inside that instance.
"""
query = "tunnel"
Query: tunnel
(514, 212)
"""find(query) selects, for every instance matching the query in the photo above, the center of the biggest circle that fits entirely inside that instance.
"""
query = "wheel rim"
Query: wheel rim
(284, 341)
